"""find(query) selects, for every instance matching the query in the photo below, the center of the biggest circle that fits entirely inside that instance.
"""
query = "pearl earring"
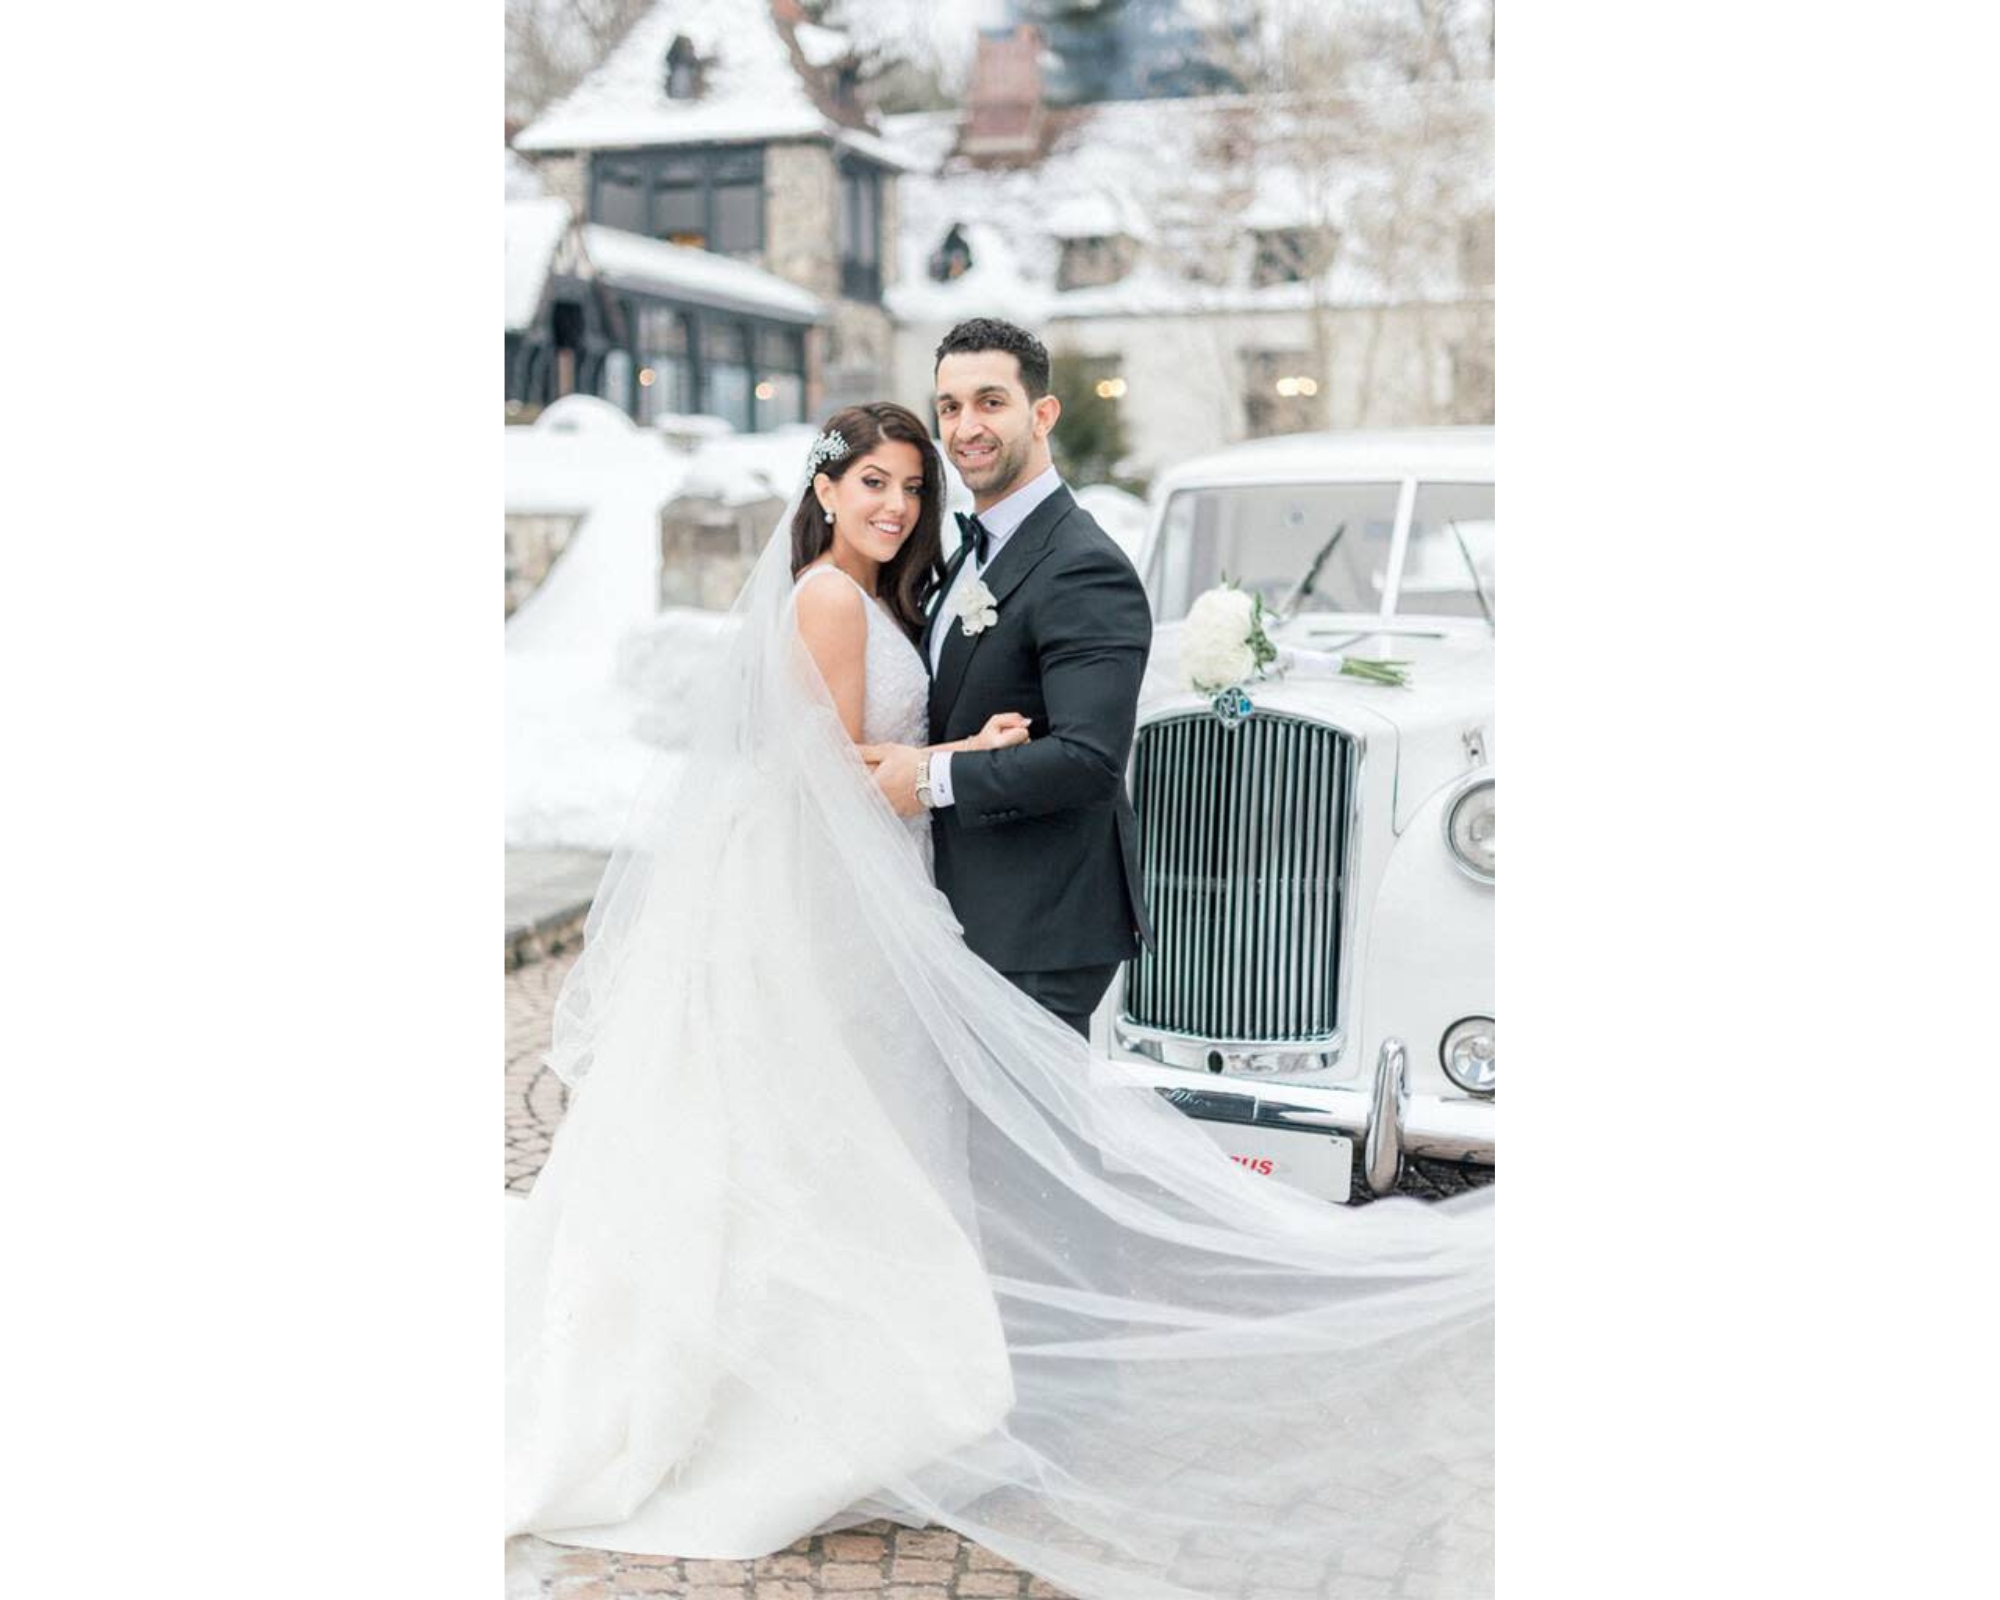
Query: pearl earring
(829, 512)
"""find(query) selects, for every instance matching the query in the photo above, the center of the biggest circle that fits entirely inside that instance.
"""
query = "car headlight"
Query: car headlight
(1468, 829)
(1467, 1053)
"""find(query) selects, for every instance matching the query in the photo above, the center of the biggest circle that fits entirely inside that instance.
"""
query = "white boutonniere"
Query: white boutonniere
(976, 608)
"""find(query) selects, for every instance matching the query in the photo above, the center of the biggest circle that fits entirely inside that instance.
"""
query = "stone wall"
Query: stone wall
(801, 237)
(861, 359)
(567, 177)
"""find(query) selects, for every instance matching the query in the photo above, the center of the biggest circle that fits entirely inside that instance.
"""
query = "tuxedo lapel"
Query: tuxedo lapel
(1022, 553)
(937, 600)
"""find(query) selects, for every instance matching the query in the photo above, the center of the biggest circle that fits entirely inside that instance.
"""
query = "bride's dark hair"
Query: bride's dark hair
(908, 577)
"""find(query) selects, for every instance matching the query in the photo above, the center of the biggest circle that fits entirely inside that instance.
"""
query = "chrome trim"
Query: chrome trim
(1466, 786)
(1252, 923)
(1192, 1053)
(1444, 1064)
(1382, 1150)
(1250, 1111)
(1399, 546)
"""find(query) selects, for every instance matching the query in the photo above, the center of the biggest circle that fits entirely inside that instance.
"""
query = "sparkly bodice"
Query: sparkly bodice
(895, 703)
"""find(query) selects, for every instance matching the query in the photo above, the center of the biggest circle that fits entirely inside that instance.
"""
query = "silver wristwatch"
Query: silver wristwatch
(924, 796)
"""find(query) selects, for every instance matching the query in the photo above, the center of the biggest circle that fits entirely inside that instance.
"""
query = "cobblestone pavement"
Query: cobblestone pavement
(875, 1559)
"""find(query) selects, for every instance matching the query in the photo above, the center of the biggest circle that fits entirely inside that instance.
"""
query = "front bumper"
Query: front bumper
(1386, 1122)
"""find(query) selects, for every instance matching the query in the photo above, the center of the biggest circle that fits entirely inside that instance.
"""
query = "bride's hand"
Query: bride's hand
(1007, 728)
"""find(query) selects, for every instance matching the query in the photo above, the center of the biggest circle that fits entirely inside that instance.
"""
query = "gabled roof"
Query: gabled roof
(751, 84)
(535, 232)
(1161, 171)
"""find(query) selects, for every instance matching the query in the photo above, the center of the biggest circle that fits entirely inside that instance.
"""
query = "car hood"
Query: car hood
(1438, 727)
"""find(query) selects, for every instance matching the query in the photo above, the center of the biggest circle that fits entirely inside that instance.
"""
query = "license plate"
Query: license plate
(1320, 1163)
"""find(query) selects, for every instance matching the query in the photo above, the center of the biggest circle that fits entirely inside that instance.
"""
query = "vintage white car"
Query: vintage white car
(1319, 867)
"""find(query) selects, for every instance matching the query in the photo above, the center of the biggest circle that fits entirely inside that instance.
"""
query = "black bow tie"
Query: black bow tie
(973, 532)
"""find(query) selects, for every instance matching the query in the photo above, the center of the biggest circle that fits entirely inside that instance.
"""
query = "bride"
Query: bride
(841, 1225)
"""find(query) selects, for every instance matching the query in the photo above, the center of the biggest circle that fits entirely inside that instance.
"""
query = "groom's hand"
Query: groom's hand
(897, 768)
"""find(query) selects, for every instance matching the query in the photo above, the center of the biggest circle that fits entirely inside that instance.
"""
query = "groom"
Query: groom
(1040, 613)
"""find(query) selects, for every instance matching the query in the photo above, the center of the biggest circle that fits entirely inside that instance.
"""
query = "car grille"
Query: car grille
(1243, 845)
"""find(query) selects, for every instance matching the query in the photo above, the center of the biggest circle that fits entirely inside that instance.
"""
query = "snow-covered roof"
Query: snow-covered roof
(523, 181)
(822, 47)
(535, 229)
(750, 85)
(1189, 179)
(700, 276)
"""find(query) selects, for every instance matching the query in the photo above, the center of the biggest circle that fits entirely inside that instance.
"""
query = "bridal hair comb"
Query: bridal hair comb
(828, 446)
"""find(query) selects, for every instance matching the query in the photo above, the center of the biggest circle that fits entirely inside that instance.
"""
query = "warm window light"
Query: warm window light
(645, 377)
(766, 389)
(1111, 388)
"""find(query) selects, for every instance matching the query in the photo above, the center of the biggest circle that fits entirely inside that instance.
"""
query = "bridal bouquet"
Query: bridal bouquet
(1224, 645)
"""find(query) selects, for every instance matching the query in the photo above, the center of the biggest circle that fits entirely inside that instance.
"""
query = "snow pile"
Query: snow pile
(598, 679)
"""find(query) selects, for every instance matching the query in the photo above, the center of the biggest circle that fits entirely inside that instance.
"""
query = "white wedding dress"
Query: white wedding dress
(840, 1225)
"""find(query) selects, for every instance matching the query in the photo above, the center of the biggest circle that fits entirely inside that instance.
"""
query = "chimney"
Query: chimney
(1004, 111)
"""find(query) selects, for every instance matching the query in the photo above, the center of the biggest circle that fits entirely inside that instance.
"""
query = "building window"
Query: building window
(679, 208)
(1472, 380)
(1289, 255)
(860, 230)
(953, 258)
(621, 197)
(727, 378)
(1282, 393)
(706, 199)
(614, 379)
(663, 375)
(1094, 259)
(1475, 251)
(780, 392)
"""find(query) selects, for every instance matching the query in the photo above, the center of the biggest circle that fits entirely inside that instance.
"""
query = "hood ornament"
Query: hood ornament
(1232, 707)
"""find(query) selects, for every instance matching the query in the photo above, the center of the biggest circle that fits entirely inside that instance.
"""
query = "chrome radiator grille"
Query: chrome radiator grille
(1243, 845)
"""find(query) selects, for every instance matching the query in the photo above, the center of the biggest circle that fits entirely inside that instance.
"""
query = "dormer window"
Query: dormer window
(953, 258)
(1094, 259)
(683, 70)
(1289, 255)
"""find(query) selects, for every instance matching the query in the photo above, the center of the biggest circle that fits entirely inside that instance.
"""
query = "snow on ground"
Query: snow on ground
(596, 674)
(573, 759)
(598, 679)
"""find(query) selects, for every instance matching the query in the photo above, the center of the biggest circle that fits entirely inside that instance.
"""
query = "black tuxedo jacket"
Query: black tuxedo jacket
(1039, 852)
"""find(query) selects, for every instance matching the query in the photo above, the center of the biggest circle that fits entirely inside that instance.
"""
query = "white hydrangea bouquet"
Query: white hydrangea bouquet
(1224, 646)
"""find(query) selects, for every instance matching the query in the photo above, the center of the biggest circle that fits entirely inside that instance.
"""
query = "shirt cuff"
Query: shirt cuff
(940, 779)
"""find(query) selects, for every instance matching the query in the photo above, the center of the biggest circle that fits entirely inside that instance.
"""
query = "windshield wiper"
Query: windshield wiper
(1472, 567)
(1305, 584)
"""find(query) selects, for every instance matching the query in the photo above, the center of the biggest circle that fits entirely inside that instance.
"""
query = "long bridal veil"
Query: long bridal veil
(839, 1225)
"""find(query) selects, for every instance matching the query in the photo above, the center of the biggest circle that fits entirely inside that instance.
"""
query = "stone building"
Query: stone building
(1223, 267)
(739, 207)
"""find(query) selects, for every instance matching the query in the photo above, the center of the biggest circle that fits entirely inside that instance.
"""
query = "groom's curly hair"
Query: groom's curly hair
(990, 333)
(907, 577)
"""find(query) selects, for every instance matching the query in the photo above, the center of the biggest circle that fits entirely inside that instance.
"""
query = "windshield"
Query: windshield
(1336, 537)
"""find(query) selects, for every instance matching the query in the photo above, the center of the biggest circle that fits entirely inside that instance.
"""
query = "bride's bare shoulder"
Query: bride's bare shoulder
(831, 612)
